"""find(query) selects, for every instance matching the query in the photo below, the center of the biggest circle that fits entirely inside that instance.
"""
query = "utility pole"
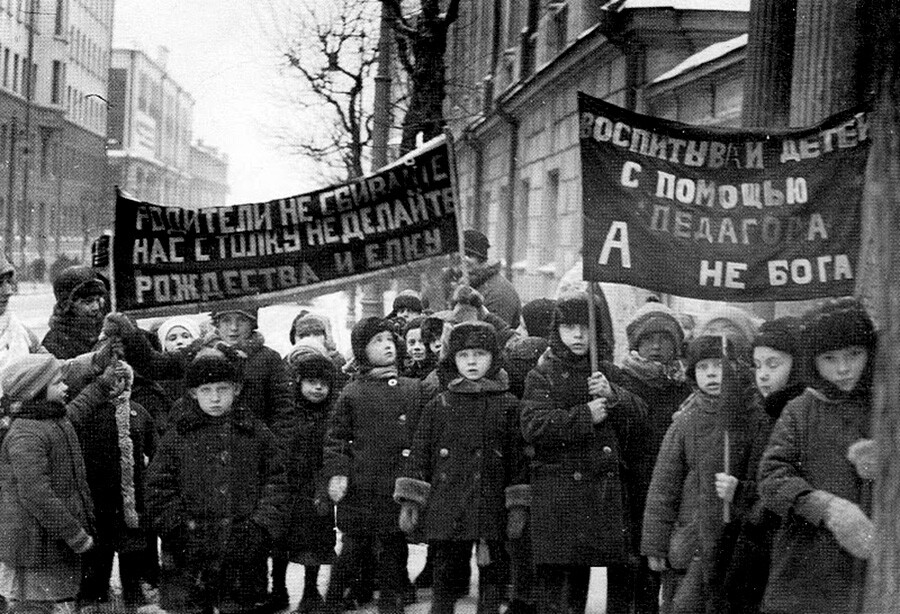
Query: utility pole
(372, 301)
(29, 96)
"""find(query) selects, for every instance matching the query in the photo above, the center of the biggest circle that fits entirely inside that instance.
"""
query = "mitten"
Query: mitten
(657, 563)
(337, 488)
(409, 516)
(117, 325)
(726, 486)
(515, 521)
(864, 456)
(851, 527)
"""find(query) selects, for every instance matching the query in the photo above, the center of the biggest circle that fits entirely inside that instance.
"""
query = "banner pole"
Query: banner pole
(454, 186)
(592, 329)
(726, 464)
(111, 269)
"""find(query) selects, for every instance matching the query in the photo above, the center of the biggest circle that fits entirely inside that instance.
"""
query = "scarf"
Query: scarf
(80, 333)
(122, 403)
(382, 372)
(499, 382)
(653, 373)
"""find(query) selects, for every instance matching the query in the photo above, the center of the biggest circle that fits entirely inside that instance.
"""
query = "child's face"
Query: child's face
(178, 337)
(708, 373)
(843, 367)
(216, 398)
(381, 350)
(435, 346)
(234, 327)
(414, 346)
(473, 363)
(408, 314)
(314, 390)
(56, 390)
(575, 337)
(657, 346)
(317, 336)
(89, 305)
(773, 368)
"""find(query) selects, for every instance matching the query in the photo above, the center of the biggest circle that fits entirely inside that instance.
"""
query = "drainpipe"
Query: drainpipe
(512, 175)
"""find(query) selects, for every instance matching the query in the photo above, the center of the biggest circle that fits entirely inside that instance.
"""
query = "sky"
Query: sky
(224, 52)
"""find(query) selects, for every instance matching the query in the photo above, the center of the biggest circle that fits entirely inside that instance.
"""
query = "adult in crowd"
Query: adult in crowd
(16, 339)
(82, 301)
(500, 297)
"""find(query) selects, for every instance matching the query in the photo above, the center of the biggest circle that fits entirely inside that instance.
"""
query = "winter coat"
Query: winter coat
(500, 296)
(310, 537)
(93, 415)
(466, 457)
(266, 388)
(45, 503)
(70, 335)
(211, 476)
(585, 478)
(810, 572)
(368, 439)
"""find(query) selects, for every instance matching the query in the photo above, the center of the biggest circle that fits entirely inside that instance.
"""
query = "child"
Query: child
(309, 325)
(310, 536)
(368, 438)
(420, 360)
(116, 436)
(466, 454)
(45, 504)
(177, 333)
(82, 300)
(217, 495)
(825, 537)
(407, 305)
(588, 468)
(777, 366)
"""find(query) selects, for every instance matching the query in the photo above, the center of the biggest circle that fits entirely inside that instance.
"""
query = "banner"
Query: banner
(171, 259)
(721, 214)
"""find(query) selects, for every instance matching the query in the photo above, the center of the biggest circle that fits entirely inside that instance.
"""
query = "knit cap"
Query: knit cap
(538, 317)
(363, 332)
(28, 376)
(308, 359)
(208, 367)
(308, 324)
(781, 334)
(475, 244)
(835, 324)
(653, 317)
(472, 335)
(245, 307)
(77, 282)
(185, 322)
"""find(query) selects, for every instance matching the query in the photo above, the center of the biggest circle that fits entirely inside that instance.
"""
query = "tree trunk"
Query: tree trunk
(429, 82)
(767, 69)
(878, 283)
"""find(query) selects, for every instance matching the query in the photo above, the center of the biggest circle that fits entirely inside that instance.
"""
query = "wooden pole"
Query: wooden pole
(592, 328)
(457, 205)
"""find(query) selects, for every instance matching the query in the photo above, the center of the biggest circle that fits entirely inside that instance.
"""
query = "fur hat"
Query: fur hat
(408, 299)
(185, 322)
(466, 305)
(538, 317)
(469, 335)
(363, 332)
(77, 282)
(702, 348)
(780, 334)
(432, 328)
(572, 308)
(836, 324)
(244, 307)
(208, 367)
(475, 244)
(26, 377)
(308, 360)
(306, 324)
(653, 317)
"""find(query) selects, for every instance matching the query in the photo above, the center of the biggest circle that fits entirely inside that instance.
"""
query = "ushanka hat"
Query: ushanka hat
(244, 307)
(363, 332)
(472, 335)
(835, 324)
(703, 348)
(209, 367)
(653, 317)
(782, 334)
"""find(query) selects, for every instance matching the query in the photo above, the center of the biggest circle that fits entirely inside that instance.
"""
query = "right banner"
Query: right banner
(721, 214)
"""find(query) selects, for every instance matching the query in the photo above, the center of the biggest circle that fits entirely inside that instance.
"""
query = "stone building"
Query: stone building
(209, 176)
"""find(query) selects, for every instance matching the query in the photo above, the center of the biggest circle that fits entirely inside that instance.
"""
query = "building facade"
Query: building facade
(53, 105)
(514, 71)
(209, 176)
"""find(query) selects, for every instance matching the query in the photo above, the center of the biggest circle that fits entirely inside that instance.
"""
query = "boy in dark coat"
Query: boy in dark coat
(116, 435)
(309, 538)
(589, 466)
(465, 456)
(419, 360)
(45, 505)
(367, 440)
(217, 495)
(815, 475)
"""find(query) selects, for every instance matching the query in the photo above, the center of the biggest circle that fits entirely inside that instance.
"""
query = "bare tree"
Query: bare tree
(421, 46)
(328, 52)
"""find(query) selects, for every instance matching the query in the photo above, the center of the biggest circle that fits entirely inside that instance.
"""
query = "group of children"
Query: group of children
(731, 473)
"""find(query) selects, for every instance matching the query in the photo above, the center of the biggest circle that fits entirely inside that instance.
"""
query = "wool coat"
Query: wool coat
(310, 537)
(585, 478)
(368, 439)
(211, 475)
(500, 296)
(810, 572)
(45, 503)
(466, 463)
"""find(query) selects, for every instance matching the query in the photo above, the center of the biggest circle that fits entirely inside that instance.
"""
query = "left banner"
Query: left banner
(173, 259)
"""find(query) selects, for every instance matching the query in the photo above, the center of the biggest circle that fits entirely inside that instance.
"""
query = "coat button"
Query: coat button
(476, 476)
(223, 489)
(577, 476)
(610, 473)
(478, 453)
(444, 452)
(225, 522)
(405, 452)
(402, 418)
(392, 381)
(607, 450)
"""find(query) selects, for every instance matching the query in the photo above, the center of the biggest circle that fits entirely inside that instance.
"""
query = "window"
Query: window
(58, 23)
(46, 136)
(3, 141)
(15, 76)
(6, 68)
(520, 221)
(550, 217)
(558, 31)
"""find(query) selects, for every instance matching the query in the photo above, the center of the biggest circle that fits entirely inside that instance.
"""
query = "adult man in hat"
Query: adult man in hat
(500, 297)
